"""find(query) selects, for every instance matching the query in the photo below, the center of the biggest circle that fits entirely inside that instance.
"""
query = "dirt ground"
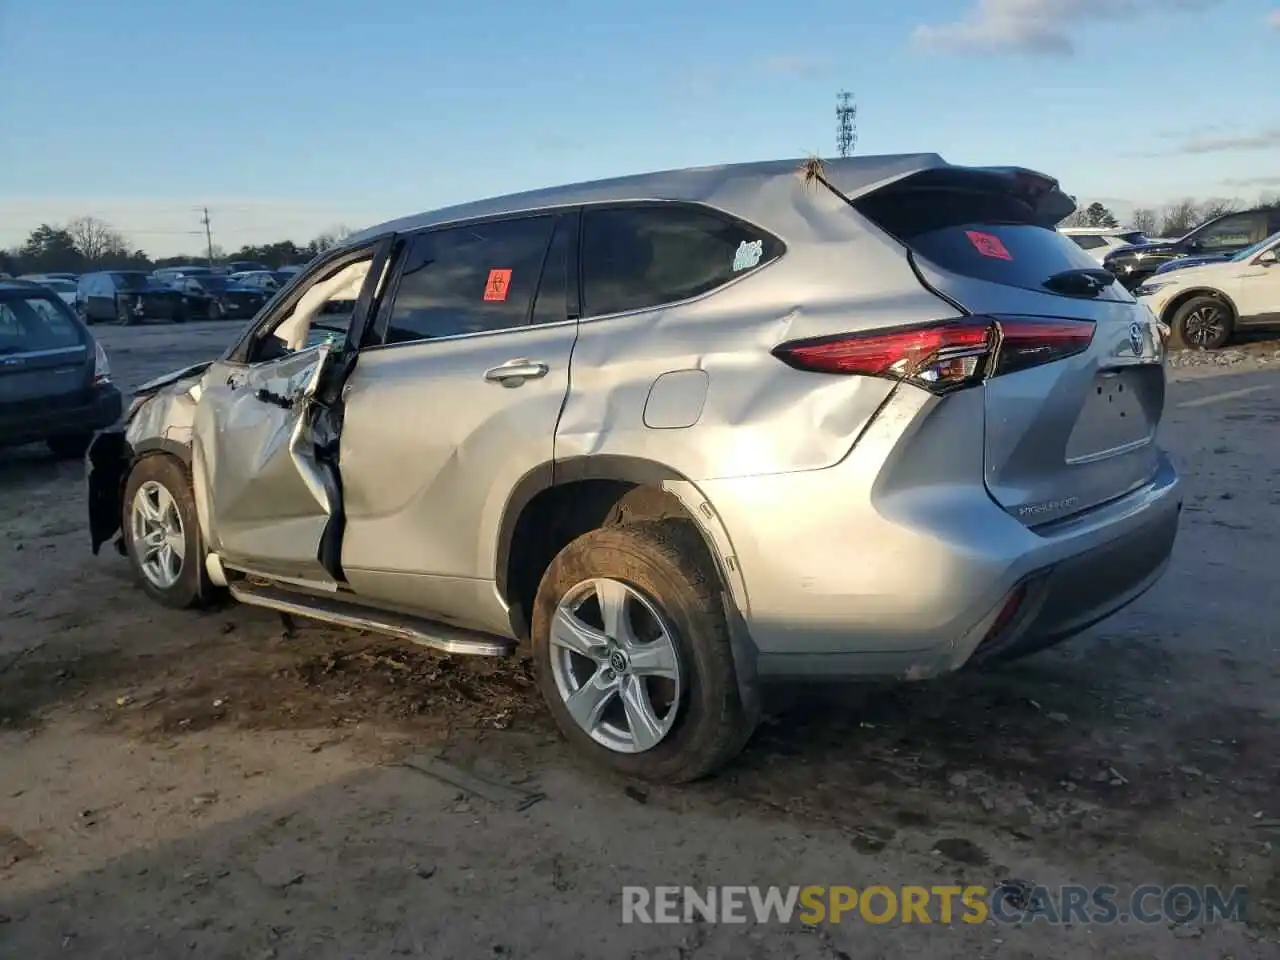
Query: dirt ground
(206, 785)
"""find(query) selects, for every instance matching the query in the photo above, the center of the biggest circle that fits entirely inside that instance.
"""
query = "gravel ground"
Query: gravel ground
(203, 785)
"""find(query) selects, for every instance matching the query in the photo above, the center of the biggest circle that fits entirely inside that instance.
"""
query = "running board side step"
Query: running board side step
(419, 630)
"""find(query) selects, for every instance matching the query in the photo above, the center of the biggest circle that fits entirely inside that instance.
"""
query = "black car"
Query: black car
(221, 298)
(55, 382)
(127, 297)
(1219, 237)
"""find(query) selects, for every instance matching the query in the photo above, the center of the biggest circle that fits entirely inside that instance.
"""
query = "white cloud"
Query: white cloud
(1266, 139)
(166, 227)
(1044, 27)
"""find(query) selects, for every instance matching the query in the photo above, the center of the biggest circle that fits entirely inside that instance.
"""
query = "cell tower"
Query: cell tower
(846, 123)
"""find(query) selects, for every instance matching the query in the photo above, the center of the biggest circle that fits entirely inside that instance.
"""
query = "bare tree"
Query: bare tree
(1144, 220)
(1217, 206)
(95, 239)
(1179, 218)
(331, 238)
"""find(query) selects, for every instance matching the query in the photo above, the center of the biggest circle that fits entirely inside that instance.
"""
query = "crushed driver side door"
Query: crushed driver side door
(265, 440)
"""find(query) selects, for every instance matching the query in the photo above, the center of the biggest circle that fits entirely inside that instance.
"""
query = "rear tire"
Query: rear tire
(157, 493)
(69, 446)
(1202, 323)
(663, 568)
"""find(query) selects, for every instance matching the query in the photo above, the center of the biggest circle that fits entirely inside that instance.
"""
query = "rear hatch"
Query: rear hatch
(46, 363)
(1062, 435)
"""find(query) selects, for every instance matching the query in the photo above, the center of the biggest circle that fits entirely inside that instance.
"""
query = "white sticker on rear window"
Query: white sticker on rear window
(748, 254)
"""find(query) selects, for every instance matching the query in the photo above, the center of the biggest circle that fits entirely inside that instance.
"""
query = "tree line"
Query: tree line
(86, 244)
(1173, 220)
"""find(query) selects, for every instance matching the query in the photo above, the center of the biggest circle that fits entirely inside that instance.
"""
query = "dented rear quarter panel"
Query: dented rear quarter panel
(758, 416)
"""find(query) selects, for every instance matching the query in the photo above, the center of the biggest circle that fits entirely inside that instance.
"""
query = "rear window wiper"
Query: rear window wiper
(1080, 282)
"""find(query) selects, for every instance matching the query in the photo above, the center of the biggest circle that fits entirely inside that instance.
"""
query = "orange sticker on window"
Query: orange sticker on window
(497, 285)
(988, 244)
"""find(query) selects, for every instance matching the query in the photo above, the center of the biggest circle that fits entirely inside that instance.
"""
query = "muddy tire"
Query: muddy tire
(162, 534)
(665, 644)
(1202, 323)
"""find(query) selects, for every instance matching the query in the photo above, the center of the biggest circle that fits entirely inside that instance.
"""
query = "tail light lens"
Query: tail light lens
(944, 356)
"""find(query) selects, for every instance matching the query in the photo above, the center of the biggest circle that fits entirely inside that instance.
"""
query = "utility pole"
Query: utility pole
(846, 123)
(208, 236)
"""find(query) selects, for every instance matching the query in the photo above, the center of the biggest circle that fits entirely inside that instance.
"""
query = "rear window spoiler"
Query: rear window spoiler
(1043, 200)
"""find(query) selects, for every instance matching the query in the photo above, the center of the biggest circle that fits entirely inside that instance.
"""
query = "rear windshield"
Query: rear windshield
(35, 322)
(978, 234)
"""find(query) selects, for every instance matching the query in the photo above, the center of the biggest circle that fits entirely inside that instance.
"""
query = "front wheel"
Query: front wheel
(1202, 323)
(632, 650)
(162, 533)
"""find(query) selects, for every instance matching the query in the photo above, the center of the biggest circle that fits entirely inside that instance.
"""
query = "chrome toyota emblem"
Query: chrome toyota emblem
(1136, 339)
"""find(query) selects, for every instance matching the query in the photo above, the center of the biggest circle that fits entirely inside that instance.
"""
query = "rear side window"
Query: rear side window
(638, 257)
(980, 234)
(469, 279)
(29, 324)
(1087, 242)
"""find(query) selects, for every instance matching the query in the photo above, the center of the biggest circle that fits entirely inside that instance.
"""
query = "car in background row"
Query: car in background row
(243, 266)
(268, 280)
(1220, 237)
(55, 381)
(1097, 242)
(65, 289)
(221, 298)
(128, 297)
(1205, 304)
(169, 274)
(40, 277)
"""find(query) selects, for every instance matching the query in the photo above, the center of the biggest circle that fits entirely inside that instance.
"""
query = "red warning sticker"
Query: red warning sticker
(988, 244)
(497, 285)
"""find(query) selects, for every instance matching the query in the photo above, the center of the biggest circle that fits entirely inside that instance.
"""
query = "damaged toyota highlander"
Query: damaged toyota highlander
(681, 433)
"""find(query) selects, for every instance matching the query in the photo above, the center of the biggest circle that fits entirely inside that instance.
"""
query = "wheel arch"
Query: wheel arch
(1178, 302)
(606, 480)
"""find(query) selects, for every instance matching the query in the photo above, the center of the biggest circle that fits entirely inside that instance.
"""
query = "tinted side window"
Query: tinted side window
(469, 279)
(638, 257)
(1236, 231)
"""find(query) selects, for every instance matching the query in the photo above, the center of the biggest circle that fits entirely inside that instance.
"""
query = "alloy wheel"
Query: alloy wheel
(616, 665)
(1205, 325)
(159, 540)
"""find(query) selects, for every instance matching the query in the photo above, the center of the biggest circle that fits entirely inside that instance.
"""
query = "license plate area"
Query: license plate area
(1116, 417)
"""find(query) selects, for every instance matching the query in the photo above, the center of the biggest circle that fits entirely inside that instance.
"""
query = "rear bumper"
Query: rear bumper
(101, 411)
(889, 566)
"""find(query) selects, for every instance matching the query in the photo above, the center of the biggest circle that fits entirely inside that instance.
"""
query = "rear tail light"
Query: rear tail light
(944, 356)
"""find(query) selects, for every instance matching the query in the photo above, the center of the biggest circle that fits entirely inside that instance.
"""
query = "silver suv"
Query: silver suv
(678, 432)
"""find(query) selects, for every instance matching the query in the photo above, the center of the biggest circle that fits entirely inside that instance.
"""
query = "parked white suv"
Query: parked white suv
(1206, 304)
(1099, 241)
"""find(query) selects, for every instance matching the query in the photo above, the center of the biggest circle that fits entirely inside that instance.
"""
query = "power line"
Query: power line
(846, 123)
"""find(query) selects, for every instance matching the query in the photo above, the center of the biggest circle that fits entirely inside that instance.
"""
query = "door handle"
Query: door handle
(515, 372)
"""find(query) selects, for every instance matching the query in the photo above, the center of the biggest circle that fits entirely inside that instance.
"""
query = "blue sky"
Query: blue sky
(290, 117)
